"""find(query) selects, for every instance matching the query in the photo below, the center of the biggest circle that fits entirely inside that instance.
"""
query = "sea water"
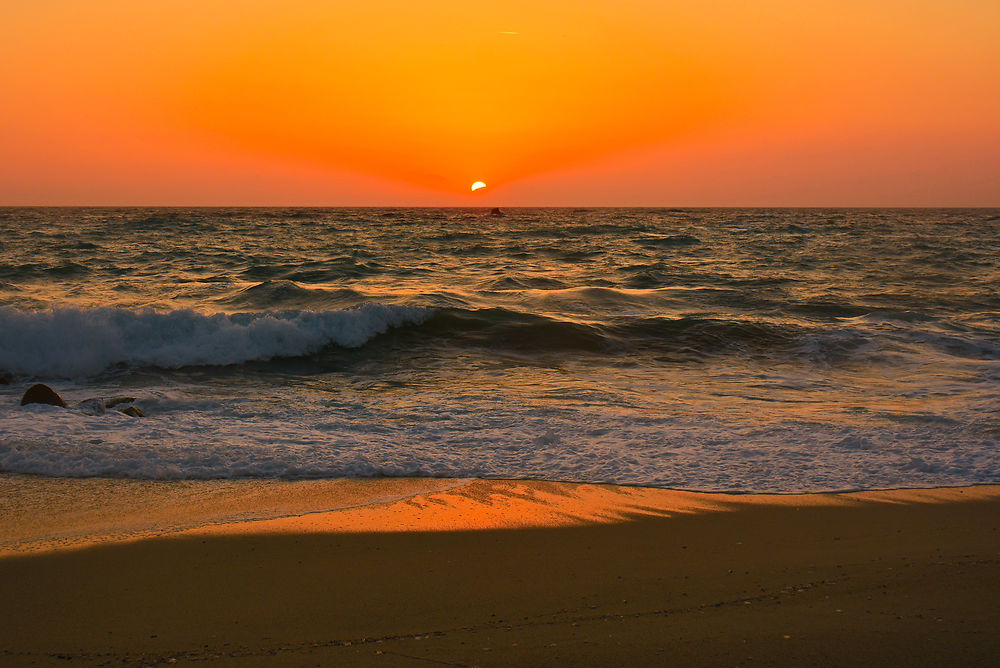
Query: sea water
(712, 349)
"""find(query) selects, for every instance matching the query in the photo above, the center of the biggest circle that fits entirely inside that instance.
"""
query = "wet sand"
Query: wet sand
(501, 573)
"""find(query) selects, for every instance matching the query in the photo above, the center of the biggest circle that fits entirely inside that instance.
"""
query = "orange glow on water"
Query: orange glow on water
(633, 102)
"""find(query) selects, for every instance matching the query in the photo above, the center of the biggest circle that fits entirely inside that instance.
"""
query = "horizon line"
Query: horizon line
(501, 206)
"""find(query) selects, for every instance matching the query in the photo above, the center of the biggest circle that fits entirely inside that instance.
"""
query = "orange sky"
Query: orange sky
(561, 102)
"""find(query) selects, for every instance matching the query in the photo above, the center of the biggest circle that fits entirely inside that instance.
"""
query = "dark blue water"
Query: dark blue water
(723, 349)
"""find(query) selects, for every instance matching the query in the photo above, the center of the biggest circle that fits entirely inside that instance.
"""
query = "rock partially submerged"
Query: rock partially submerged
(496, 211)
(99, 406)
(42, 394)
(6, 378)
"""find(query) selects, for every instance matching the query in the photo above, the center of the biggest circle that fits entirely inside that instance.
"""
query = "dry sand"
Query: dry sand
(498, 573)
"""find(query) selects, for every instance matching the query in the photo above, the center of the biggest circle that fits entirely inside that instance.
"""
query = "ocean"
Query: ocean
(762, 350)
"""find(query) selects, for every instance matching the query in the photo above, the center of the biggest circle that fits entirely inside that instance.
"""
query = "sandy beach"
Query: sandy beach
(518, 573)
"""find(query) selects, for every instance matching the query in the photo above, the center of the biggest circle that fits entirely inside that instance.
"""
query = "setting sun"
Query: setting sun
(477, 185)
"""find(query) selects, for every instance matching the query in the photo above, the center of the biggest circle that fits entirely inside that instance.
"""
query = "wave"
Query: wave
(522, 282)
(315, 271)
(689, 337)
(699, 335)
(514, 331)
(669, 241)
(290, 294)
(74, 342)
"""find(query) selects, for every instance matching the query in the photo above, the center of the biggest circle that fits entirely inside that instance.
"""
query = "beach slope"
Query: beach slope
(522, 573)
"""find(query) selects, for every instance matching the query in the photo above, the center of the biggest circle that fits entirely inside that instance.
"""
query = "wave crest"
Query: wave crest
(74, 342)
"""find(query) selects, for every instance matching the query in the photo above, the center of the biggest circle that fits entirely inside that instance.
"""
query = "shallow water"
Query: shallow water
(757, 350)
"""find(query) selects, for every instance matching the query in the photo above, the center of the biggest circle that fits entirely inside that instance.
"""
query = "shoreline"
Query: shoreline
(39, 513)
(513, 572)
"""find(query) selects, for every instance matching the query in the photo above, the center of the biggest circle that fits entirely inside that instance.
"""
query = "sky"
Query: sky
(549, 102)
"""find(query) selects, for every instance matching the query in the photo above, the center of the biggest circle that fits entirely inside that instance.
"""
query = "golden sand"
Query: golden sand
(506, 573)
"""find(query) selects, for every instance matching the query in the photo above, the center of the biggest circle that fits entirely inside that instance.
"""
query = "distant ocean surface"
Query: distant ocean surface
(716, 349)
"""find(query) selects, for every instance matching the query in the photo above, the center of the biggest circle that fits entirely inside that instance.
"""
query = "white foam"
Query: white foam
(301, 436)
(76, 342)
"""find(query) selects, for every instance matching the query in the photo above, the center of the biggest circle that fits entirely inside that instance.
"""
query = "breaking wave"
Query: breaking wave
(75, 342)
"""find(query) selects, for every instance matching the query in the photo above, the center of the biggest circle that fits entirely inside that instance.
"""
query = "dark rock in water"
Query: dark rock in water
(6, 378)
(496, 211)
(42, 394)
(114, 401)
(99, 406)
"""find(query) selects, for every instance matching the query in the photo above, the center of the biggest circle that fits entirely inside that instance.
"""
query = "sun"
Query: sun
(477, 185)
